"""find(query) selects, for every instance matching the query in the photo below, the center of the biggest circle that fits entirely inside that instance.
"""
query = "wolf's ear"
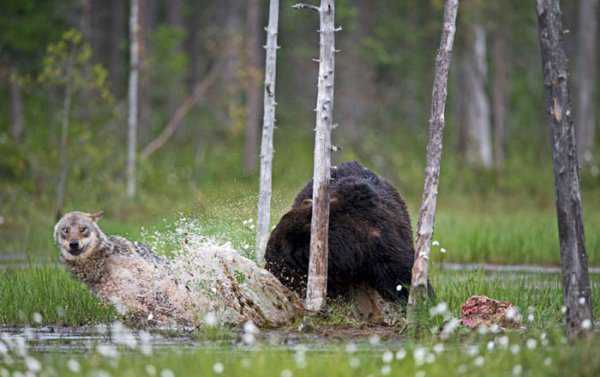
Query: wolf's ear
(96, 216)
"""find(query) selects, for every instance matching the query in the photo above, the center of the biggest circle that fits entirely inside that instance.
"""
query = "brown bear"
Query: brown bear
(370, 236)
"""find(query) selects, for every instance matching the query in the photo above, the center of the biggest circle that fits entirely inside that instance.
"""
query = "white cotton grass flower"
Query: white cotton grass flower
(33, 365)
(517, 370)
(420, 373)
(419, 354)
(167, 373)
(74, 366)
(286, 373)
(479, 361)
(218, 368)
(491, 345)
(351, 347)
(547, 361)
(385, 370)
(210, 319)
(374, 339)
(531, 343)
(440, 309)
(449, 328)
(107, 350)
(438, 348)
(399, 287)
(435, 243)
(515, 349)
(387, 357)
(503, 341)
(246, 363)
(586, 324)
(354, 362)
(581, 300)
(443, 250)
(37, 318)
(400, 354)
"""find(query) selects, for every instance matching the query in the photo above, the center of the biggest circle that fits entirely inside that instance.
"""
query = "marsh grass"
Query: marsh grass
(50, 293)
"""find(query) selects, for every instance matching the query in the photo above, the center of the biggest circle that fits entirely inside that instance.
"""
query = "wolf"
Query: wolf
(147, 288)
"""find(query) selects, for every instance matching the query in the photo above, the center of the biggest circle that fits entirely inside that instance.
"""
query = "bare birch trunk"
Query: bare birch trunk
(586, 79)
(266, 149)
(499, 97)
(573, 257)
(316, 289)
(425, 226)
(478, 110)
(64, 155)
(17, 122)
(134, 35)
(253, 85)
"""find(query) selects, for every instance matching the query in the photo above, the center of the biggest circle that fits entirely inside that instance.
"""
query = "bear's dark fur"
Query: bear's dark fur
(370, 236)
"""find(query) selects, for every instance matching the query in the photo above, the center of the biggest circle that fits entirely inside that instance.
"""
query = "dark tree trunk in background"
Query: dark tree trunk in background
(426, 223)
(573, 257)
(586, 79)
(63, 173)
(479, 141)
(146, 25)
(254, 76)
(499, 96)
(17, 119)
(232, 67)
(175, 20)
(117, 35)
(356, 76)
(193, 43)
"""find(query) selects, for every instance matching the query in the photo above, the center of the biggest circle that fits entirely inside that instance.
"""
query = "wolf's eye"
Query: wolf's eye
(65, 230)
(83, 229)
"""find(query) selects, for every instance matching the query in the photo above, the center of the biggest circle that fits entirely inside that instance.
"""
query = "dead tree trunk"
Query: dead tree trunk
(64, 155)
(479, 145)
(425, 226)
(586, 79)
(253, 85)
(573, 258)
(316, 289)
(266, 148)
(499, 96)
(134, 36)
(17, 123)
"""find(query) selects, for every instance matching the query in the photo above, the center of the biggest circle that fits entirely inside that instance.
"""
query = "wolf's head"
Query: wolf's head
(78, 235)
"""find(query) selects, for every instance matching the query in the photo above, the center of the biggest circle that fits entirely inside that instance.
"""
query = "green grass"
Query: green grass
(50, 292)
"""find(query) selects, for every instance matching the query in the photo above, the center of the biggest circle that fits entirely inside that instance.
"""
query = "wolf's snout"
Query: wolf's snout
(74, 246)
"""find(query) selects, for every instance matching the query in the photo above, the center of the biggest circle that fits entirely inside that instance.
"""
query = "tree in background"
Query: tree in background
(132, 119)
(426, 223)
(266, 149)
(67, 66)
(254, 75)
(586, 79)
(576, 283)
(478, 117)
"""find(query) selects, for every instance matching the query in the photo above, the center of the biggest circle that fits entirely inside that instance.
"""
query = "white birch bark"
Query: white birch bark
(586, 80)
(478, 110)
(425, 226)
(266, 148)
(316, 290)
(134, 35)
